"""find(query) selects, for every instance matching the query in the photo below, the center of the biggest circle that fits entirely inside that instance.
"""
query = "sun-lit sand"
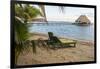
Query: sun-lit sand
(84, 51)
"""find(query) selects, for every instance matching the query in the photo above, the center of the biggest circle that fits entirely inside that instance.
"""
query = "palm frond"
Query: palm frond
(62, 9)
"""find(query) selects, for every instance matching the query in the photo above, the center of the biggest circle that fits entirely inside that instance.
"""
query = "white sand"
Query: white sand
(82, 52)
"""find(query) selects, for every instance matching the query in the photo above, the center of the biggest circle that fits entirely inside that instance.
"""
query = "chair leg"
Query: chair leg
(74, 44)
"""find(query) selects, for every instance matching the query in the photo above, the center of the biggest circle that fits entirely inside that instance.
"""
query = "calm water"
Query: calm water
(65, 30)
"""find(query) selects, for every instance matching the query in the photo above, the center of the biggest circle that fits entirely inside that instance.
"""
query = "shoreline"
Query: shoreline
(84, 42)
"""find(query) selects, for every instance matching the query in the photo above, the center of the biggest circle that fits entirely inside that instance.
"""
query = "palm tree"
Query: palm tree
(23, 14)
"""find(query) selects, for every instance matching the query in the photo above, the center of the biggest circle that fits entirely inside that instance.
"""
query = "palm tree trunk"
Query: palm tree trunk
(16, 57)
(42, 7)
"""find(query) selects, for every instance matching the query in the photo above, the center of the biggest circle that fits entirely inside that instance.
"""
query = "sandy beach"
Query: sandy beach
(84, 51)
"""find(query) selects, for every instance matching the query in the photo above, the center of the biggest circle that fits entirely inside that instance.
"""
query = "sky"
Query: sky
(53, 13)
(70, 14)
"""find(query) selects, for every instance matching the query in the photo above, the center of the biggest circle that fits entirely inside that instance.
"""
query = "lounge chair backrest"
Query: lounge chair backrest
(50, 35)
(53, 38)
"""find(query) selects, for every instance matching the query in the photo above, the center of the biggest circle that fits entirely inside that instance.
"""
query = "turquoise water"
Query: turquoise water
(65, 30)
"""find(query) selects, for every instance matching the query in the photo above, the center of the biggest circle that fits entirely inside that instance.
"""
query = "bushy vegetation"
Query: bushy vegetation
(23, 14)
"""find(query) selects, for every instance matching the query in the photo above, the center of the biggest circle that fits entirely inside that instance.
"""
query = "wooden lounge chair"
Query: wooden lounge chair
(53, 41)
(67, 42)
(59, 42)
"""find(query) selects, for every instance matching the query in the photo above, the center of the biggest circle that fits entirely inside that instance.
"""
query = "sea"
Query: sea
(64, 29)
